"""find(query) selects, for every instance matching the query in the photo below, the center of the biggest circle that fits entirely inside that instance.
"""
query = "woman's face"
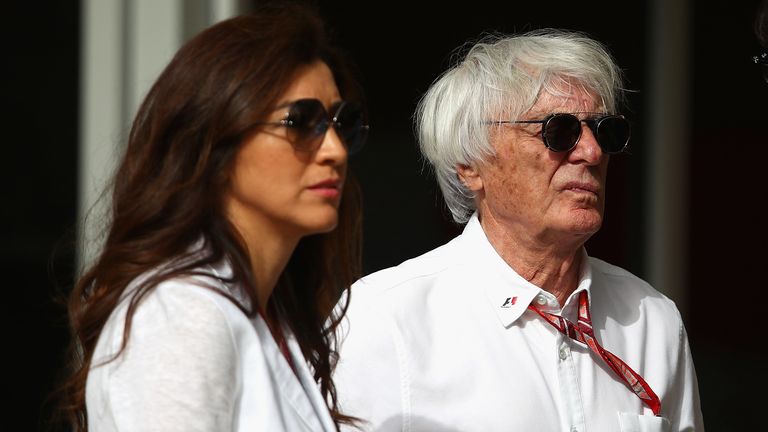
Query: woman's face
(278, 188)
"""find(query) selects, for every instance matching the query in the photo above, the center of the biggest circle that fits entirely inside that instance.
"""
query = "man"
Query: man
(472, 335)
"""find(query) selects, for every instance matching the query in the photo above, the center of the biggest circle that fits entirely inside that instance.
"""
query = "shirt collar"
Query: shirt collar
(508, 293)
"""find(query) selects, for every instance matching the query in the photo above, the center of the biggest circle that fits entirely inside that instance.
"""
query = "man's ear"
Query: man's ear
(470, 177)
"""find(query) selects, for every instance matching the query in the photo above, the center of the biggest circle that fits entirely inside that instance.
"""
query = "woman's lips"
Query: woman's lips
(330, 188)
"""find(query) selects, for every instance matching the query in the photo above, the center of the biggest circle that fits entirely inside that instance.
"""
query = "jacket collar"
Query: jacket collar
(298, 388)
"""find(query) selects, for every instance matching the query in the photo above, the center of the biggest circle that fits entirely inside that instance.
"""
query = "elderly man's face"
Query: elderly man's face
(536, 192)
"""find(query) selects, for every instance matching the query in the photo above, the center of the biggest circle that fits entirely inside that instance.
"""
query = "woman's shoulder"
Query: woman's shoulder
(199, 308)
(191, 300)
(185, 340)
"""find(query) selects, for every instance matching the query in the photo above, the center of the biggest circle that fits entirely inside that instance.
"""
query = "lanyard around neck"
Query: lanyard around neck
(582, 332)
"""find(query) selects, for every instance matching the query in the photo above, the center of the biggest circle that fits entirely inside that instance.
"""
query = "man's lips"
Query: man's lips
(581, 187)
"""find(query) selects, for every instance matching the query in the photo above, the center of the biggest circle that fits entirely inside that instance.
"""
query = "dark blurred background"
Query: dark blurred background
(400, 48)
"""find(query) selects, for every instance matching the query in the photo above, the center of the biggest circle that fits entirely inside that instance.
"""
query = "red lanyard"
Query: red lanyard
(582, 332)
(279, 337)
(283, 344)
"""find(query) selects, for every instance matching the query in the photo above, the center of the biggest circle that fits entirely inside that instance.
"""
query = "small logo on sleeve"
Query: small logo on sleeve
(509, 302)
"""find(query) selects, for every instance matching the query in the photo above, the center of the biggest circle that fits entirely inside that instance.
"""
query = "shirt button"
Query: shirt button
(540, 299)
(564, 354)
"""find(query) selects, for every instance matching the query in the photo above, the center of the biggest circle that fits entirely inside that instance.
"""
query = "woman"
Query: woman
(221, 265)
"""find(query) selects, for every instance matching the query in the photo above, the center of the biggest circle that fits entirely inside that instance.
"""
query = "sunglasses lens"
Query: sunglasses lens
(561, 132)
(307, 122)
(613, 134)
(350, 125)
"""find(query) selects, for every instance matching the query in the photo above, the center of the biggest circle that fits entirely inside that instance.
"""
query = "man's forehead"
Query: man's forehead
(574, 99)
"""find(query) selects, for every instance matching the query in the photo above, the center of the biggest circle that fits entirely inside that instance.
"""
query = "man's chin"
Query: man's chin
(585, 221)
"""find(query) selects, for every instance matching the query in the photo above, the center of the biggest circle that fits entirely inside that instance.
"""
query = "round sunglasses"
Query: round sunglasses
(562, 131)
(307, 122)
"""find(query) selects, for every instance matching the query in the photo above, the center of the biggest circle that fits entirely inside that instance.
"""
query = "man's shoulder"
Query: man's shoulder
(412, 273)
(616, 281)
(607, 268)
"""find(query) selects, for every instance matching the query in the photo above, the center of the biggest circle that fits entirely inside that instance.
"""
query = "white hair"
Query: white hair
(503, 75)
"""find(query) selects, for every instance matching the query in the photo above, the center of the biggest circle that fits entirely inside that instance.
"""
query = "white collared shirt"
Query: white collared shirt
(444, 342)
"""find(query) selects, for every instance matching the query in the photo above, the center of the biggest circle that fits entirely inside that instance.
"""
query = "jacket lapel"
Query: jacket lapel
(301, 395)
(309, 384)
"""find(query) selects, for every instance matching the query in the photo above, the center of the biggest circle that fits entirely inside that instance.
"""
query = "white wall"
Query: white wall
(125, 44)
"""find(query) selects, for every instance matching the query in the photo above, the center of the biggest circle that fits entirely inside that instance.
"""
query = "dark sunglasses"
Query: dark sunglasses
(561, 132)
(308, 121)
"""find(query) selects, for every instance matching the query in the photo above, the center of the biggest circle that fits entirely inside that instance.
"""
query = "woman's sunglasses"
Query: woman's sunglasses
(308, 121)
(561, 132)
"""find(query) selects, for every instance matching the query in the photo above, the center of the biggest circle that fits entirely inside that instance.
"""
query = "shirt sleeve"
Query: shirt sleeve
(371, 377)
(685, 409)
(179, 371)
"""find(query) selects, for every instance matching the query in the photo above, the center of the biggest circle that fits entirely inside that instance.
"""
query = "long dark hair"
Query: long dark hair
(167, 193)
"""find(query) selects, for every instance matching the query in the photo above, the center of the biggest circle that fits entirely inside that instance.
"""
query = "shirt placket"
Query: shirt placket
(567, 372)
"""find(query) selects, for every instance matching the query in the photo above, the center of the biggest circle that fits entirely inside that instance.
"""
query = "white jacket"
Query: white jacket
(195, 362)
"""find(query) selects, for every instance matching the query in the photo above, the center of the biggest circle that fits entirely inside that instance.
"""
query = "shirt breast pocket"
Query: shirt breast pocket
(630, 422)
